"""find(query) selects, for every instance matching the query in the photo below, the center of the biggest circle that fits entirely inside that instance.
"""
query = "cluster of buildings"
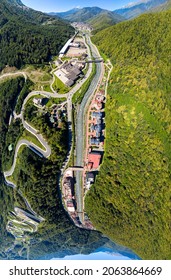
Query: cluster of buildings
(96, 129)
(72, 44)
(68, 195)
(70, 201)
(82, 26)
(65, 47)
(93, 163)
(68, 191)
(95, 138)
(70, 72)
(56, 116)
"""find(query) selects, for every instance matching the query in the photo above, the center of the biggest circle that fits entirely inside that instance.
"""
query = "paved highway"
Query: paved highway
(19, 144)
(80, 129)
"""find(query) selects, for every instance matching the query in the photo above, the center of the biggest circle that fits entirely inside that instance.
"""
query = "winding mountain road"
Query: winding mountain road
(18, 73)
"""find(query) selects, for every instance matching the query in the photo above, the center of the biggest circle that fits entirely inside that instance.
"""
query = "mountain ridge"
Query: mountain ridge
(129, 11)
(15, 2)
(163, 7)
(139, 8)
(104, 20)
(83, 14)
(97, 17)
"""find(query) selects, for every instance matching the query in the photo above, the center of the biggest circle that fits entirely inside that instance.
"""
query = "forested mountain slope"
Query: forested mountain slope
(104, 20)
(83, 14)
(28, 36)
(98, 18)
(131, 199)
(64, 14)
(135, 9)
(163, 7)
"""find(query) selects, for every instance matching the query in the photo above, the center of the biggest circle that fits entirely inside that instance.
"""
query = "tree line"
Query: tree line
(131, 199)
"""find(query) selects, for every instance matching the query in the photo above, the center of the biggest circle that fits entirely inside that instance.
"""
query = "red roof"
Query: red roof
(94, 159)
(90, 165)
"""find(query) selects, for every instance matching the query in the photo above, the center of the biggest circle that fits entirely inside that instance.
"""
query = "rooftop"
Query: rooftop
(94, 159)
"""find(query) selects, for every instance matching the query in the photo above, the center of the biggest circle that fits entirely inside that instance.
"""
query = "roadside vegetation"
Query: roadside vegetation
(130, 201)
(79, 95)
(30, 137)
(13, 134)
(23, 94)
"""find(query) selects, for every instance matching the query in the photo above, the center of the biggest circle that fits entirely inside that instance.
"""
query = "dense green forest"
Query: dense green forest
(104, 20)
(133, 189)
(29, 37)
(9, 92)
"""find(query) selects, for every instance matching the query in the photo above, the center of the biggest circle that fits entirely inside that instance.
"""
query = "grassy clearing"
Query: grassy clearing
(30, 137)
(47, 88)
(59, 86)
(41, 77)
(53, 101)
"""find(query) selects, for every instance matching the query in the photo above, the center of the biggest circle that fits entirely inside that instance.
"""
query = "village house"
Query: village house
(37, 101)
